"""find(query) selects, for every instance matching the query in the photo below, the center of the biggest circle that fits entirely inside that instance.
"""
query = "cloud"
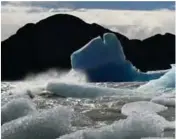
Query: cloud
(41, 4)
(133, 24)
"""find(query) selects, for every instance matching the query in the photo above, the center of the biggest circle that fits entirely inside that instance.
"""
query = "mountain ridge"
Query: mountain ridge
(50, 42)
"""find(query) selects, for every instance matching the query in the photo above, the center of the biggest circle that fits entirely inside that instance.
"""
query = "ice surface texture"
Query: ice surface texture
(141, 107)
(104, 61)
(135, 126)
(48, 124)
(16, 108)
(165, 99)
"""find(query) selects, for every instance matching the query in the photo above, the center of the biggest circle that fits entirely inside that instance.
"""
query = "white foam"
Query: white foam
(37, 83)
(141, 107)
(135, 126)
(16, 108)
(48, 124)
(57, 75)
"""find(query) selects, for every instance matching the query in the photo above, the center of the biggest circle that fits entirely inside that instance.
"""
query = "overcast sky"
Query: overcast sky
(133, 19)
(100, 5)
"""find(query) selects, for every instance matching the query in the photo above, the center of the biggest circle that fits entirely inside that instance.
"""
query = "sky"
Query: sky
(104, 5)
(133, 19)
(125, 5)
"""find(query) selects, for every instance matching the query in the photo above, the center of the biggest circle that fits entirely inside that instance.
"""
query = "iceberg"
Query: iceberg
(104, 61)
(164, 84)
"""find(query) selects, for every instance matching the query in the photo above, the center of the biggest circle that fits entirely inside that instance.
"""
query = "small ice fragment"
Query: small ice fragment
(141, 107)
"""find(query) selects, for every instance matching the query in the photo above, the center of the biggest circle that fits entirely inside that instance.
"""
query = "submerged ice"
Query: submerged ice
(104, 61)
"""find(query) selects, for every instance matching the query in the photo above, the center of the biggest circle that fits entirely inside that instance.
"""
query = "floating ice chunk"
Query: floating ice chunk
(141, 107)
(165, 99)
(135, 126)
(104, 61)
(83, 91)
(164, 84)
(16, 108)
(48, 124)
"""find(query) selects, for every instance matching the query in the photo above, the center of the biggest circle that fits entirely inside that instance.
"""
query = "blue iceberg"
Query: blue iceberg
(104, 61)
(164, 84)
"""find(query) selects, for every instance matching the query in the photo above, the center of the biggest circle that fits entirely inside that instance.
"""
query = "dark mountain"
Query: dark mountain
(50, 42)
